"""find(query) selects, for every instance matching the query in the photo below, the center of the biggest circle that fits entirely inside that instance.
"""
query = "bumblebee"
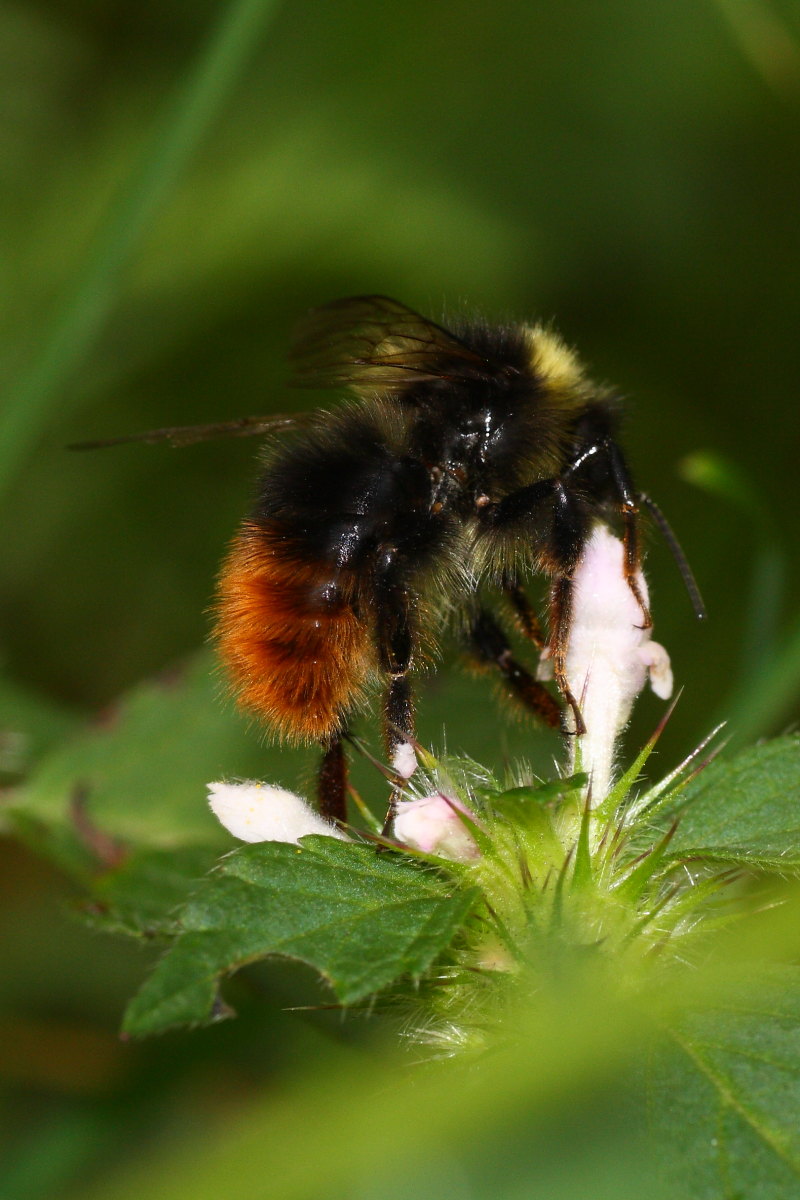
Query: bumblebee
(469, 456)
(466, 460)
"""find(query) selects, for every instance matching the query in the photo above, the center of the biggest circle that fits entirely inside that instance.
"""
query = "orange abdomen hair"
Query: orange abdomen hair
(296, 662)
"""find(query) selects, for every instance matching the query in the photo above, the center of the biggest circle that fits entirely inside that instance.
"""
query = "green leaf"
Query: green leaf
(361, 918)
(725, 1106)
(142, 896)
(143, 771)
(769, 694)
(543, 793)
(745, 809)
(30, 724)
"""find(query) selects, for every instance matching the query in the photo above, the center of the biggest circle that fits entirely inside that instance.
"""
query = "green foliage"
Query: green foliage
(119, 804)
(549, 871)
(362, 919)
(168, 211)
(139, 772)
(479, 1121)
(744, 810)
(726, 1102)
(30, 725)
(553, 884)
(142, 893)
(770, 661)
(87, 304)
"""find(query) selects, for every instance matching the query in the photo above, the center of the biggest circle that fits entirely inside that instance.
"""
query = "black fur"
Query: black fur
(461, 458)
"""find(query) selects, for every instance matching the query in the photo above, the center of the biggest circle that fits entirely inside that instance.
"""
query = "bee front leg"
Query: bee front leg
(560, 622)
(558, 555)
(628, 501)
(568, 534)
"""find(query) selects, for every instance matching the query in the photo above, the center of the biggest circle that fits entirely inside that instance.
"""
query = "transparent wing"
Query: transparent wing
(187, 435)
(374, 341)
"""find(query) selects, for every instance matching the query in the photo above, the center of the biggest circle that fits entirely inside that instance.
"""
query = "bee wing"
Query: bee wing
(187, 435)
(374, 341)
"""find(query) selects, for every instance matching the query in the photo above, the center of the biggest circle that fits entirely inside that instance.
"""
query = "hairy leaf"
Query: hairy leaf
(745, 809)
(138, 778)
(142, 895)
(361, 918)
(726, 1105)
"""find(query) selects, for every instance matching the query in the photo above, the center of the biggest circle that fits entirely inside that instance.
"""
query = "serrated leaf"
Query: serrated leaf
(726, 1105)
(361, 918)
(142, 896)
(744, 809)
(144, 770)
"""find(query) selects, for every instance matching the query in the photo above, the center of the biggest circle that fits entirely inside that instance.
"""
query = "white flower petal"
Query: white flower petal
(609, 653)
(260, 812)
(656, 659)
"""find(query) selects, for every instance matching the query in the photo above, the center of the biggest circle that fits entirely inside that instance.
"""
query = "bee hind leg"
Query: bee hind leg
(396, 637)
(332, 781)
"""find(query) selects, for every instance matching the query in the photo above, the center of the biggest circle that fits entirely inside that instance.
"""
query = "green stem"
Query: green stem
(83, 311)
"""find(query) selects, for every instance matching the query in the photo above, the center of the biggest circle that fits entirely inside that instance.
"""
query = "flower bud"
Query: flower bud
(434, 826)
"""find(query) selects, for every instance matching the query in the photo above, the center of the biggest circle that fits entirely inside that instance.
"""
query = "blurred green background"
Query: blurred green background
(179, 183)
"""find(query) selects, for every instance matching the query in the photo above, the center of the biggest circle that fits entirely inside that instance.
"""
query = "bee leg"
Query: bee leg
(560, 622)
(528, 620)
(629, 507)
(568, 534)
(398, 730)
(569, 528)
(395, 640)
(332, 781)
(398, 713)
(490, 644)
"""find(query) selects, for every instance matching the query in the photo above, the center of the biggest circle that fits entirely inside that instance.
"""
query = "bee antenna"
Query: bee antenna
(677, 553)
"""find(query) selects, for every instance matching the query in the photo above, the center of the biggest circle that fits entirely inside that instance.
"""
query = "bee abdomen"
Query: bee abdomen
(295, 652)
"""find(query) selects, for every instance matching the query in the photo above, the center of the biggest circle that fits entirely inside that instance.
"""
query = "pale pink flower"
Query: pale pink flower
(433, 825)
(610, 656)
